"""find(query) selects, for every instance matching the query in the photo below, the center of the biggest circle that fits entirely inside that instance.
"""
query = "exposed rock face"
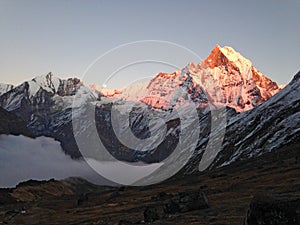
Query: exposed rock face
(265, 209)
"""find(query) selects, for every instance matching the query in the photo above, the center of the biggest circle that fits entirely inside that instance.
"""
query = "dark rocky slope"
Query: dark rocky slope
(12, 124)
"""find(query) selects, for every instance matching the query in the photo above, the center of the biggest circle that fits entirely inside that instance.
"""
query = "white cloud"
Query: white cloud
(23, 158)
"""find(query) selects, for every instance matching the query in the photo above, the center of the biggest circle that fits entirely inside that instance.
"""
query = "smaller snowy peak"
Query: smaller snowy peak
(133, 92)
(54, 85)
(5, 88)
(44, 91)
(104, 91)
(48, 82)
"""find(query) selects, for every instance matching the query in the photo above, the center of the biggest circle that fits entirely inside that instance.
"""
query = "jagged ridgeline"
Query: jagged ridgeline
(257, 121)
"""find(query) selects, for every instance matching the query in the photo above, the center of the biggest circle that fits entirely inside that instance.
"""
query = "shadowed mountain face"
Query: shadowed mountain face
(12, 124)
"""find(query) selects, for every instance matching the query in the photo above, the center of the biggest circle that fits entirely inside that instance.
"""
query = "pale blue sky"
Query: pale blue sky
(66, 36)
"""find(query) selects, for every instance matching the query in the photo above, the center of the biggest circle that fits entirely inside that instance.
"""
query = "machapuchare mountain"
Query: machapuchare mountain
(257, 121)
(224, 78)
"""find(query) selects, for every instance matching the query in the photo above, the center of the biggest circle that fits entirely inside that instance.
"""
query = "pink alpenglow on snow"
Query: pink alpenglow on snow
(224, 78)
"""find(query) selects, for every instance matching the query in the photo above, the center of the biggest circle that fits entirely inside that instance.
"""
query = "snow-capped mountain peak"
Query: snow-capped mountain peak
(47, 82)
(228, 56)
(232, 77)
(229, 53)
(224, 78)
(53, 85)
(42, 91)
